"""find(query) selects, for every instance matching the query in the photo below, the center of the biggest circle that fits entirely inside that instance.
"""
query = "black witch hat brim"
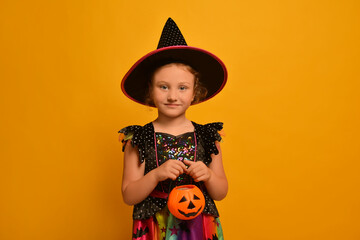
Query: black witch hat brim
(212, 70)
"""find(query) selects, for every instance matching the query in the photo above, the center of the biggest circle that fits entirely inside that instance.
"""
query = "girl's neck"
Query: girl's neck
(174, 126)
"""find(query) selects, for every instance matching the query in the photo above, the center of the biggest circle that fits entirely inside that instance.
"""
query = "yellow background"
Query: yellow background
(291, 110)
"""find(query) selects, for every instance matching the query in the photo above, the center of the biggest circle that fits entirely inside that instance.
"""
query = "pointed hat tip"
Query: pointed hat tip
(170, 21)
(171, 35)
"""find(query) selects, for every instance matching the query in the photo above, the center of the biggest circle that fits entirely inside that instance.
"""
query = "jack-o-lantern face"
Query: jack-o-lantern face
(186, 202)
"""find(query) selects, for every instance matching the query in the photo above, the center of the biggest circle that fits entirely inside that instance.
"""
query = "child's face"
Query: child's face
(172, 90)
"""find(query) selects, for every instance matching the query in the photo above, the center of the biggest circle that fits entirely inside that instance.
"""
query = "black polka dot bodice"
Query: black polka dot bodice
(145, 139)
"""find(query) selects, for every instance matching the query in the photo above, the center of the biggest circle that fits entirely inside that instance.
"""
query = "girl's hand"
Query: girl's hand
(170, 169)
(198, 171)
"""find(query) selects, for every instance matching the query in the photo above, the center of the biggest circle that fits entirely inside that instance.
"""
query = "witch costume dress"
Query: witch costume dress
(152, 219)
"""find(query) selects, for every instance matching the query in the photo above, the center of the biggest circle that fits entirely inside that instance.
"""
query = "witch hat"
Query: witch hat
(172, 47)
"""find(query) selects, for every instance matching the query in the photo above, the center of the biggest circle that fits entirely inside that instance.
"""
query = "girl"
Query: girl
(173, 150)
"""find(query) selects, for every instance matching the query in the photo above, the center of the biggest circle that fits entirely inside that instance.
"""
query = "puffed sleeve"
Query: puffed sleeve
(208, 135)
(212, 135)
(134, 133)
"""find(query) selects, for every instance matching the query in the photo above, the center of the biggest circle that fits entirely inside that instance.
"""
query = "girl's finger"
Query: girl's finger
(173, 175)
(180, 164)
(180, 167)
(187, 162)
(183, 166)
(180, 171)
(192, 169)
(189, 171)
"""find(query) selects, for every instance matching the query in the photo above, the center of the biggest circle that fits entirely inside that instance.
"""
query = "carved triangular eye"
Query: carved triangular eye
(196, 197)
(183, 199)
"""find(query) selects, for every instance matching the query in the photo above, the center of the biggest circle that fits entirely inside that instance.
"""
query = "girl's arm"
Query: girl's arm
(135, 185)
(213, 176)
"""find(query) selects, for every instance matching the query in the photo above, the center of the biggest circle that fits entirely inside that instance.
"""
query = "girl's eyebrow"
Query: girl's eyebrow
(184, 83)
(180, 83)
(162, 82)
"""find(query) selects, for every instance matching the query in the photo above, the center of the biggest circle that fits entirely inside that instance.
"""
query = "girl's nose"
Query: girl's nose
(172, 96)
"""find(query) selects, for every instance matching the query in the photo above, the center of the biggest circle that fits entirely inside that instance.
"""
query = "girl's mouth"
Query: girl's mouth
(171, 105)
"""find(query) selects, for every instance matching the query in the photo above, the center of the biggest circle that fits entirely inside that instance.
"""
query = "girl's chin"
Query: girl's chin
(172, 114)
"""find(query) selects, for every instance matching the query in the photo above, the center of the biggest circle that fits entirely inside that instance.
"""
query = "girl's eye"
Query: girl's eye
(183, 88)
(163, 87)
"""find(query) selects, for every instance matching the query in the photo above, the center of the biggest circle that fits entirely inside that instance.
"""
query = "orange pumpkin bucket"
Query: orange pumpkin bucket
(186, 202)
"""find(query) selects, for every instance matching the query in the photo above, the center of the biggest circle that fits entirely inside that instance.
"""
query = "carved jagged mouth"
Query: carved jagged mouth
(190, 214)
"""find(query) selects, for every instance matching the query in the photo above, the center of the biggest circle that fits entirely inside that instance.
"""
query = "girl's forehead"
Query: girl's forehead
(173, 67)
(173, 73)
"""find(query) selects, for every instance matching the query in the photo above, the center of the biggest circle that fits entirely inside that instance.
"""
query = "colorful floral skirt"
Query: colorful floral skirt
(164, 226)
